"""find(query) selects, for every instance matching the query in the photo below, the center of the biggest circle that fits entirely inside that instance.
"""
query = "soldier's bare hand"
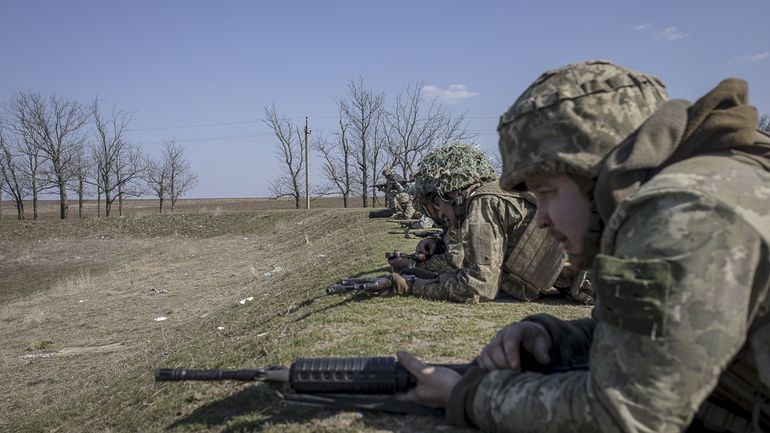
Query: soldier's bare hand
(434, 384)
(504, 352)
(426, 246)
(399, 263)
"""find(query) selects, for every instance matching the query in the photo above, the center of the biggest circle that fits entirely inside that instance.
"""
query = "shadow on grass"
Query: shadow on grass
(257, 407)
(353, 297)
(248, 409)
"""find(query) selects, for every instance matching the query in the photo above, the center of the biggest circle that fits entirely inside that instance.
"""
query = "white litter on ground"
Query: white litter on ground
(262, 334)
(220, 328)
(243, 301)
(160, 319)
(81, 301)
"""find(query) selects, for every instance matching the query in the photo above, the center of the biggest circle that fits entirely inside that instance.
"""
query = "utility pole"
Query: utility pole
(307, 169)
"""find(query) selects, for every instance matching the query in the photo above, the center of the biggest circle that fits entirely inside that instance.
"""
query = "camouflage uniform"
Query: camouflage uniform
(452, 257)
(490, 229)
(683, 310)
(491, 235)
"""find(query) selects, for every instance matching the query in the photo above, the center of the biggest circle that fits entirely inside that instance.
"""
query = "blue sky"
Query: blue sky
(182, 65)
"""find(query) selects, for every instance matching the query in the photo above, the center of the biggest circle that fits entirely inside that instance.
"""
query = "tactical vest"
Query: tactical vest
(741, 400)
(536, 258)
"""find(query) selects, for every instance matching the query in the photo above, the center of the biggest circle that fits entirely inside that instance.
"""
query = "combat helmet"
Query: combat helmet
(572, 117)
(451, 167)
(387, 171)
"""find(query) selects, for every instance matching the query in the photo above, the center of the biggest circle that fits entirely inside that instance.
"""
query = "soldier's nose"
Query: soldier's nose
(542, 219)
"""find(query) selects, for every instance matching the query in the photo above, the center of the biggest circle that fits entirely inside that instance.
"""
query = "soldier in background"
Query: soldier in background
(396, 196)
(492, 243)
(669, 201)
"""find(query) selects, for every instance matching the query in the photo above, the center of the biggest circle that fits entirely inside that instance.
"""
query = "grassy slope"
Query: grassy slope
(73, 287)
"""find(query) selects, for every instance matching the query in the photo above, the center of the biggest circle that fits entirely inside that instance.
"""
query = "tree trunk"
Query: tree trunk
(34, 203)
(63, 208)
(160, 206)
(344, 200)
(19, 210)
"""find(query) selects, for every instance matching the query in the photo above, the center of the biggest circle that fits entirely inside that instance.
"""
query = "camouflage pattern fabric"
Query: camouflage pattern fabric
(683, 304)
(654, 361)
(488, 232)
(402, 203)
(449, 168)
(571, 117)
(451, 259)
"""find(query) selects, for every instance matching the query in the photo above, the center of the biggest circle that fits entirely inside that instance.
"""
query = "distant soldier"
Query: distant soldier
(397, 197)
(492, 243)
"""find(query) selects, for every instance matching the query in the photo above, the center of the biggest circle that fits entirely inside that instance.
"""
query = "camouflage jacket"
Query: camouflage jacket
(489, 232)
(452, 257)
(683, 313)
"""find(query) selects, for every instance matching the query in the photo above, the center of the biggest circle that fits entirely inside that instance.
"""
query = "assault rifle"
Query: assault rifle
(417, 257)
(418, 233)
(342, 383)
(374, 286)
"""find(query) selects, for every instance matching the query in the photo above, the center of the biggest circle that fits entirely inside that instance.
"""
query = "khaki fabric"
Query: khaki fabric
(682, 285)
(493, 224)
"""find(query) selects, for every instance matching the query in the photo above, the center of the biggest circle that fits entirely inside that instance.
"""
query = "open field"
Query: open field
(49, 209)
(79, 301)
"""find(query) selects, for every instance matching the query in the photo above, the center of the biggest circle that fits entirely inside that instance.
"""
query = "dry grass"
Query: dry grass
(80, 341)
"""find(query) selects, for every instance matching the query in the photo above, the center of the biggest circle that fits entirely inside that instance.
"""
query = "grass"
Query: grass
(91, 289)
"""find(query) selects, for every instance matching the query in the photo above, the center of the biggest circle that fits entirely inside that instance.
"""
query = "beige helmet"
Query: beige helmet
(572, 117)
(387, 171)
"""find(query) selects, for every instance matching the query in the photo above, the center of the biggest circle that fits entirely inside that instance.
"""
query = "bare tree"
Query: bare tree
(764, 122)
(181, 179)
(378, 155)
(13, 182)
(129, 168)
(116, 162)
(337, 161)
(55, 125)
(289, 182)
(418, 126)
(81, 173)
(361, 109)
(156, 177)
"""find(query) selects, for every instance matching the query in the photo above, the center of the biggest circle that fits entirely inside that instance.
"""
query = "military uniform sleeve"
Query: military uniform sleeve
(673, 301)
(450, 260)
(484, 240)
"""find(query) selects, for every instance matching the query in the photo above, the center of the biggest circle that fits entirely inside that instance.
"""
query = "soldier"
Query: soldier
(682, 330)
(492, 244)
(397, 197)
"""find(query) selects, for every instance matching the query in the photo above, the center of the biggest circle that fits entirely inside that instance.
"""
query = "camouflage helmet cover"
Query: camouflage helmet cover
(571, 117)
(387, 171)
(451, 167)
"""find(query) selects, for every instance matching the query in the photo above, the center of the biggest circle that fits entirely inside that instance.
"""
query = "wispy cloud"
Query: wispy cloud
(751, 59)
(671, 34)
(454, 93)
(641, 27)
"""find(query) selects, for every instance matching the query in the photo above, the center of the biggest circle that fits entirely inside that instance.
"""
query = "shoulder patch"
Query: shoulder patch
(633, 293)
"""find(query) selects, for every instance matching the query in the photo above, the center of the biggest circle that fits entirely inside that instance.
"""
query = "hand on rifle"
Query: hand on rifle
(504, 352)
(427, 246)
(399, 285)
(434, 384)
(399, 263)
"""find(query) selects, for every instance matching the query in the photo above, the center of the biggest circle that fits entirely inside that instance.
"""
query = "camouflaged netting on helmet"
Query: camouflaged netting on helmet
(450, 168)
(571, 117)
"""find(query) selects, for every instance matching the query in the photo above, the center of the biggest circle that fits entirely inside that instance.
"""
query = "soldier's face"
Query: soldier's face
(445, 211)
(562, 209)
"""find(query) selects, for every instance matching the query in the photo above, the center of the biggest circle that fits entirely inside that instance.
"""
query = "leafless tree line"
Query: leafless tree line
(55, 145)
(370, 137)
